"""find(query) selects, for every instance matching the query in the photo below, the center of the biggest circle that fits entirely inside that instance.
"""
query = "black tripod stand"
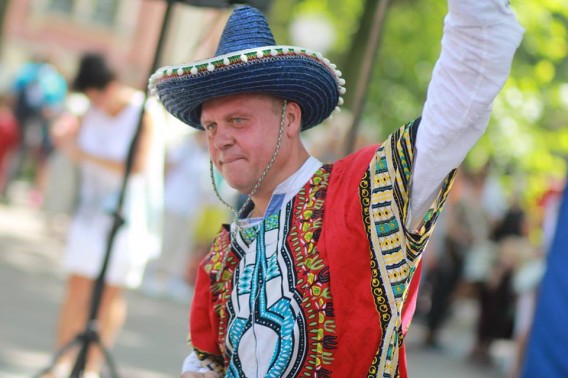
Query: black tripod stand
(90, 335)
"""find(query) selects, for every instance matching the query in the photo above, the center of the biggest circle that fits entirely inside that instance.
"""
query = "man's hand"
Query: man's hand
(192, 374)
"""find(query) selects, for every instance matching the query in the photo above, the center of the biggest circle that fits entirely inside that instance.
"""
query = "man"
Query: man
(318, 275)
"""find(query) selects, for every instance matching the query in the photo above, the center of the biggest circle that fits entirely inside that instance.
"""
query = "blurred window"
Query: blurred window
(62, 6)
(104, 11)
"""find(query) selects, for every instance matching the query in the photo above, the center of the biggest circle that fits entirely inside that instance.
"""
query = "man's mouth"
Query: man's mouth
(230, 160)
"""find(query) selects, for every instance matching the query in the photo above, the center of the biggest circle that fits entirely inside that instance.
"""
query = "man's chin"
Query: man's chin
(239, 186)
(235, 181)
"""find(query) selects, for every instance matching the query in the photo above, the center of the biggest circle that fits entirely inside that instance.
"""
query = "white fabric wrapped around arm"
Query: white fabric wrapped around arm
(478, 45)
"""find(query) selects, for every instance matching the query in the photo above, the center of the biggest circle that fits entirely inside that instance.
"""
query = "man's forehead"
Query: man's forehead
(240, 97)
(236, 102)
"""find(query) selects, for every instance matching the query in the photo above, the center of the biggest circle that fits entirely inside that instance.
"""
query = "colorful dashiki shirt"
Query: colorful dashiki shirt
(324, 286)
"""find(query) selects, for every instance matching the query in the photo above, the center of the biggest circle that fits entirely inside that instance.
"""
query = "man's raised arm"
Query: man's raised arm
(479, 42)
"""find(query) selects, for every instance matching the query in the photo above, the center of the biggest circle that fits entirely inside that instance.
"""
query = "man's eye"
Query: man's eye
(237, 120)
(210, 127)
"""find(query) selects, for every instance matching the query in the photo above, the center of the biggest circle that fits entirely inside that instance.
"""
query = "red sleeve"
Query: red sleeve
(203, 322)
(344, 241)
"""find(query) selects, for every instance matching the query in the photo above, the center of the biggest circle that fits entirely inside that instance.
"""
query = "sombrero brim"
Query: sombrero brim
(292, 73)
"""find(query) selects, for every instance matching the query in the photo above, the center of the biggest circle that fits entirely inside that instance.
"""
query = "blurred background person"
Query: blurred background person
(39, 92)
(99, 143)
(480, 254)
(9, 138)
(444, 261)
(531, 297)
(61, 186)
(209, 218)
(528, 268)
(190, 211)
(545, 353)
(499, 309)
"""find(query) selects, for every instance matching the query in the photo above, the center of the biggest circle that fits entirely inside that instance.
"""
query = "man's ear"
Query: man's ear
(293, 119)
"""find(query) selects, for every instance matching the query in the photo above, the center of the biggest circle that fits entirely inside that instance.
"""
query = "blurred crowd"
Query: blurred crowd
(489, 246)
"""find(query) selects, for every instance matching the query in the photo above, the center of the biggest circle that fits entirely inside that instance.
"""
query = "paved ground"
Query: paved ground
(152, 345)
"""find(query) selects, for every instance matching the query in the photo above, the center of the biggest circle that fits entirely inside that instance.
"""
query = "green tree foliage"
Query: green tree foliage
(409, 48)
(528, 132)
(343, 14)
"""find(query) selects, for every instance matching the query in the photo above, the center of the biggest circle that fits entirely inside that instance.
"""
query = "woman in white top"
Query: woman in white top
(100, 146)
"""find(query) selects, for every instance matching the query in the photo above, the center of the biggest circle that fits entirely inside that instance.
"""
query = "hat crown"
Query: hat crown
(246, 28)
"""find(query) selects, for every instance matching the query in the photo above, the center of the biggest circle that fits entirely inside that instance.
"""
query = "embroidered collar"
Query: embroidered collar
(285, 190)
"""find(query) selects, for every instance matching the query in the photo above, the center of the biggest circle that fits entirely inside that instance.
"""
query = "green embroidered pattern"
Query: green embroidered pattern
(313, 274)
(396, 251)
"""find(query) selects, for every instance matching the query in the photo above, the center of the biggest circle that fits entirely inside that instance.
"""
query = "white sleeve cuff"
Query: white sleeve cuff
(193, 363)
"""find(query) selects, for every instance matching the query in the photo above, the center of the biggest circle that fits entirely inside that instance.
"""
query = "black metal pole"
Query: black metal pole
(366, 68)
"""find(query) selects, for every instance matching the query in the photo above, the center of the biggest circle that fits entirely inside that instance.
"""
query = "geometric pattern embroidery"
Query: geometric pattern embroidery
(313, 275)
(395, 251)
(377, 283)
(298, 318)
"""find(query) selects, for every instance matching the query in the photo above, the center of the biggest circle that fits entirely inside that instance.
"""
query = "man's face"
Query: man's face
(242, 131)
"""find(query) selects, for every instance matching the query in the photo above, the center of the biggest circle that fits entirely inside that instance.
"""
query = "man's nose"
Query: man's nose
(223, 138)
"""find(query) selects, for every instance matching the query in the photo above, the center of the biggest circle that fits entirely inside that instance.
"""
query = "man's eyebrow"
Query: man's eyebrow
(205, 121)
(237, 113)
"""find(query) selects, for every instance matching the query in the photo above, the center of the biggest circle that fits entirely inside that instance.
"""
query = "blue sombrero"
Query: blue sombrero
(249, 61)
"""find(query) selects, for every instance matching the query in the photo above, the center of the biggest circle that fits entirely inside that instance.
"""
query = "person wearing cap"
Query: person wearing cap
(318, 273)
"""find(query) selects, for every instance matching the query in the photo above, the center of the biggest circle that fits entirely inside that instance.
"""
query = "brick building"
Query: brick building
(126, 31)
